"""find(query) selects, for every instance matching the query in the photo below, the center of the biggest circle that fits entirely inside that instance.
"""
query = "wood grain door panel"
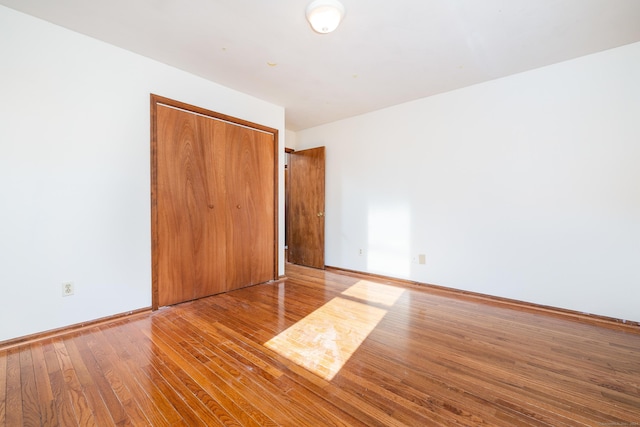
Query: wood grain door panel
(306, 207)
(250, 231)
(214, 203)
(191, 255)
(263, 244)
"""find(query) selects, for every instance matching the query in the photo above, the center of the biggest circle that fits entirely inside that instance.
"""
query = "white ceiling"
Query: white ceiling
(384, 52)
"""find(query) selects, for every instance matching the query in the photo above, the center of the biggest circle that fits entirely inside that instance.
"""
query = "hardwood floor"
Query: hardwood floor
(428, 359)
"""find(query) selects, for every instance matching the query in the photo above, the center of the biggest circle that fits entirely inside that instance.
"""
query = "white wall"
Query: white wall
(74, 171)
(526, 187)
(290, 139)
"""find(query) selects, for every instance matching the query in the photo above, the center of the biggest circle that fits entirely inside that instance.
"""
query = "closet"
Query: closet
(214, 204)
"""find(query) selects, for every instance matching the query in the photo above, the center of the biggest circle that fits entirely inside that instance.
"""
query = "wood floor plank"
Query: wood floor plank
(459, 368)
(62, 404)
(267, 378)
(317, 410)
(93, 379)
(45, 401)
(299, 377)
(432, 359)
(198, 402)
(89, 388)
(379, 414)
(134, 367)
(200, 385)
(13, 396)
(201, 368)
(141, 363)
(30, 406)
(79, 402)
(137, 354)
(117, 378)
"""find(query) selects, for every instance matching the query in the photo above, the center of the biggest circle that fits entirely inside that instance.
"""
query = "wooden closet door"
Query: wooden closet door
(250, 195)
(190, 207)
(213, 203)
(264, 200)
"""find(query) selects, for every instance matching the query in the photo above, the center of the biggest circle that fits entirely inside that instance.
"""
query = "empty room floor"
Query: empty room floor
(324, 348)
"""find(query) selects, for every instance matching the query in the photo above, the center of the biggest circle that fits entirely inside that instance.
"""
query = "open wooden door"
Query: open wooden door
(306, 207)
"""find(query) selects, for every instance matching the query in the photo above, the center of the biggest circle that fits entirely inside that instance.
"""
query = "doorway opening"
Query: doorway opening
(305, 207)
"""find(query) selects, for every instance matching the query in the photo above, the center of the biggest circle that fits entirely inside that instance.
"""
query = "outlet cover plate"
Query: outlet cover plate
(67, 289)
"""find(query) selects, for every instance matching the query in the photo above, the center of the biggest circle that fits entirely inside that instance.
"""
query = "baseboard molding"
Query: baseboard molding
(28, 339)
(594, 319)
(627, 325)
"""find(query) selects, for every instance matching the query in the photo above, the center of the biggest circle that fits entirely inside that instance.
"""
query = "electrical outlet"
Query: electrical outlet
(360, 252)
(67, 289)
(422, 259)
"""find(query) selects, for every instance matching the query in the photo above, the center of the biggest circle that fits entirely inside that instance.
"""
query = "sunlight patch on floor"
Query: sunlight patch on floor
(374, 292)
(323, 341)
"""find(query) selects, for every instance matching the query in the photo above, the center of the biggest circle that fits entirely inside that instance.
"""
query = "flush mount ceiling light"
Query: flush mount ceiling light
(325, 15)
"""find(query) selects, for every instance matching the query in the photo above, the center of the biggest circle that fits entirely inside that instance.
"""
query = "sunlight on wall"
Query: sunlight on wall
(389, 237)
(323, 341)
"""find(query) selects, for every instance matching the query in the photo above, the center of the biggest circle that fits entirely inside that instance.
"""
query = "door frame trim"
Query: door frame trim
(160, 100)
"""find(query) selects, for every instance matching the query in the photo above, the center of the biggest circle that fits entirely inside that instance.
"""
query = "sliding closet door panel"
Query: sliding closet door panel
(190, 207)
(213, 202)
(238, 227)
(213, 247)
(250, 195)
(264, 202)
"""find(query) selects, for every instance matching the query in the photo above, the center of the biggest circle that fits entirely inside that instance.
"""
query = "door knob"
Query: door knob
(320, 213)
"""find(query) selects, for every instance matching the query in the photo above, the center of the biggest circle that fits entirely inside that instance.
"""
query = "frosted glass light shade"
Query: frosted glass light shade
(325, 15)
